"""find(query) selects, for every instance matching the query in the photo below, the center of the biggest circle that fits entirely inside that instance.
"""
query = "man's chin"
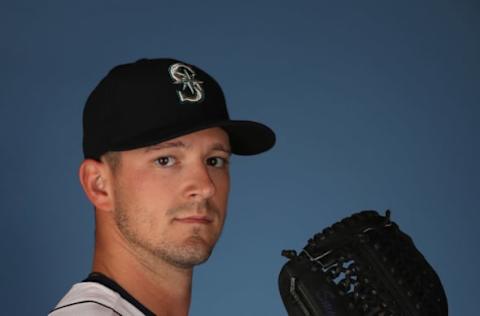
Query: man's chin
(197, 249)
(193, 251)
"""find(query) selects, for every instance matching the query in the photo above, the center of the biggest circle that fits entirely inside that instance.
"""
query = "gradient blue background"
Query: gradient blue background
(375, 105)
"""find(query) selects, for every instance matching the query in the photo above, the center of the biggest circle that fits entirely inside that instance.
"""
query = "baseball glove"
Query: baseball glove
(362, 265)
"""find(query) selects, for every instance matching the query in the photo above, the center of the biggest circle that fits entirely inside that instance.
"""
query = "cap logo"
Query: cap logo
(191, 90)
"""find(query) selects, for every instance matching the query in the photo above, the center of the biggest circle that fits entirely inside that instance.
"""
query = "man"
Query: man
(157, 141)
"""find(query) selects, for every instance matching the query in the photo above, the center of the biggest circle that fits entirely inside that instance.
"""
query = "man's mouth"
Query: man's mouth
(194, 220)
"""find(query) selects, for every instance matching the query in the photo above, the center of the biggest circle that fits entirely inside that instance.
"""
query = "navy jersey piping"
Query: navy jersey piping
(114, 286)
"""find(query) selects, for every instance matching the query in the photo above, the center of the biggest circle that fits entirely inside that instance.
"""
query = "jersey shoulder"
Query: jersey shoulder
(91, 298)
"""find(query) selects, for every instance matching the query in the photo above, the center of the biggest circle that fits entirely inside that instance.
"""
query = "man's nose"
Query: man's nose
(200, 185)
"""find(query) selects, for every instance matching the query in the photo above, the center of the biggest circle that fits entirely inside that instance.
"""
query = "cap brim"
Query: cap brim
(246, 137)
(249, 138)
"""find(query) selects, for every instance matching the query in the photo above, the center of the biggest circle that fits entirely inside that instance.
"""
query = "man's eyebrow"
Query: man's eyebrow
(221, 147)
(167, 144)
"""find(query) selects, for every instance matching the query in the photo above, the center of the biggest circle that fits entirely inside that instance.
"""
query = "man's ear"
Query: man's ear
(96, 180)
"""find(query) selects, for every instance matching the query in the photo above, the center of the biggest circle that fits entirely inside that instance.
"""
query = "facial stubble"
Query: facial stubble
(192, 251)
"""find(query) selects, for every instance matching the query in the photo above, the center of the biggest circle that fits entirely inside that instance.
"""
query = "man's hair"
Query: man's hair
(112, 158)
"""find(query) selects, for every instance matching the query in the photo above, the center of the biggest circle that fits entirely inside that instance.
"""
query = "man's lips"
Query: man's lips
(194, 220)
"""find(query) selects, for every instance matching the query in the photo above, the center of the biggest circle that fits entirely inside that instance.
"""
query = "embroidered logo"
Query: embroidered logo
(191, 90)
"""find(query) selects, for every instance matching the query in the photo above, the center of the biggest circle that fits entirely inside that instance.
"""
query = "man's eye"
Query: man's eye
(165, 161)
(217, 162)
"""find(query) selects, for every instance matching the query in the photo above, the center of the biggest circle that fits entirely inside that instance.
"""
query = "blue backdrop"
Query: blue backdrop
(375, 105)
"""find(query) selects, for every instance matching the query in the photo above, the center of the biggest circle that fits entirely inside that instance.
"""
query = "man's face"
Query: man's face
(171, 198)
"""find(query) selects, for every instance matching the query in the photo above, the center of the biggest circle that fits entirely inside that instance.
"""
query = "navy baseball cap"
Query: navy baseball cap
(153, 100)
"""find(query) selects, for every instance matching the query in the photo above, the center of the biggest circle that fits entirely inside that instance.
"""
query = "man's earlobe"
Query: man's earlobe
(94, 177)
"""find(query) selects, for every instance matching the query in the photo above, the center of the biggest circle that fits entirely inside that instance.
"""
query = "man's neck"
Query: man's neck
(159, 286)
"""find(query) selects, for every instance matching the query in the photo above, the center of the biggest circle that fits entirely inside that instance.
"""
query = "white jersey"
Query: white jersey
(105, 298)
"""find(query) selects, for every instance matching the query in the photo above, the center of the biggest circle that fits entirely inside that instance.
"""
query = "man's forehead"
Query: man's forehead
(213, 138)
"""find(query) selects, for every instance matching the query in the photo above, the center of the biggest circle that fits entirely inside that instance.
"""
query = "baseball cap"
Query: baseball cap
(153, 100)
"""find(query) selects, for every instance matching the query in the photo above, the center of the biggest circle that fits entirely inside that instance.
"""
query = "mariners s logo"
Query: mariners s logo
(191, 90)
